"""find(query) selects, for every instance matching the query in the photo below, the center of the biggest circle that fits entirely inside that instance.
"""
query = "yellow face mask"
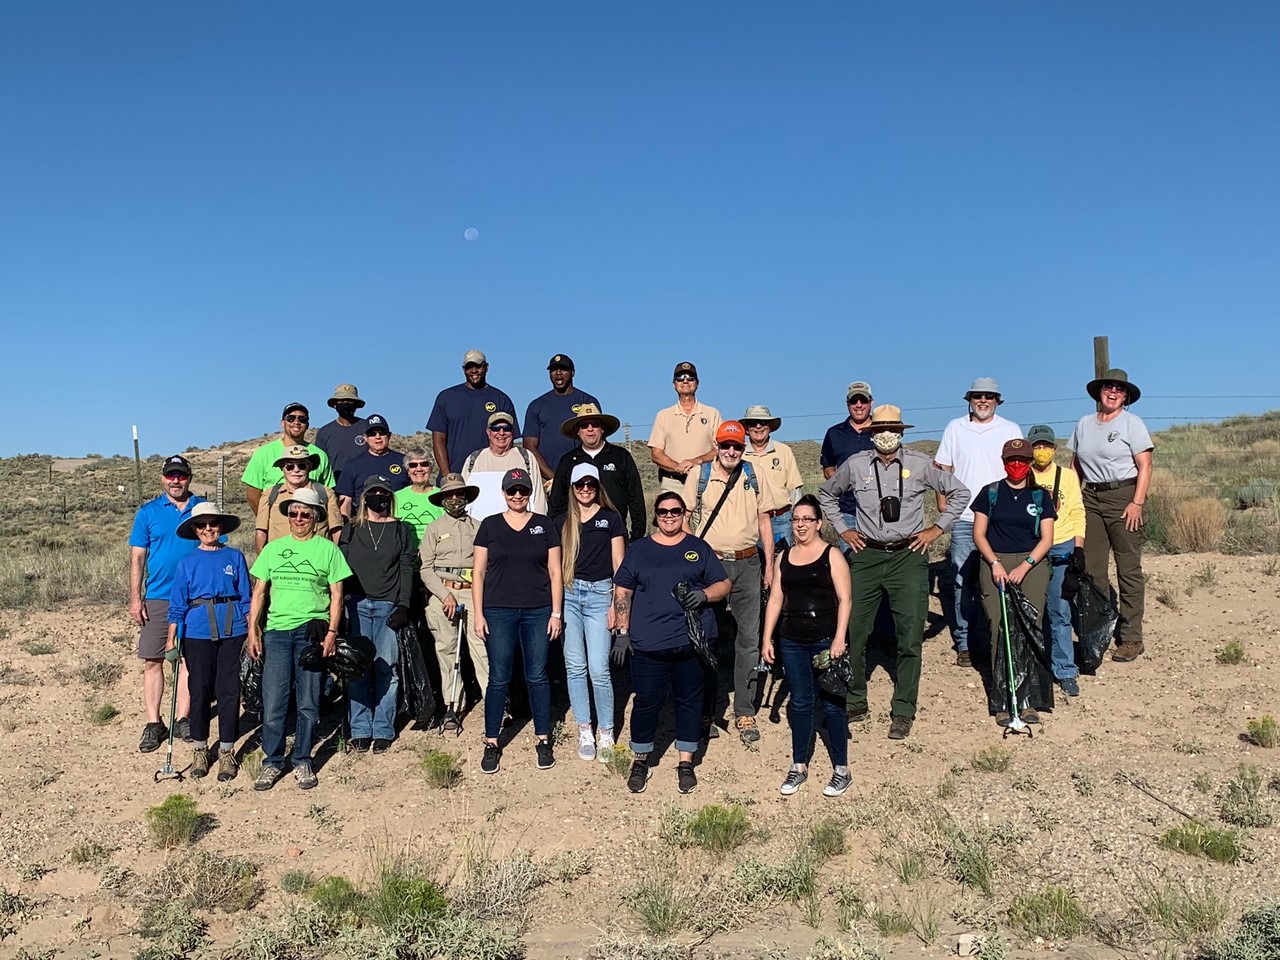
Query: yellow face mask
(1042, 457)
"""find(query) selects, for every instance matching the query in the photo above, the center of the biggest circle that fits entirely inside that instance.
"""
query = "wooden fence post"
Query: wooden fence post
(1101, 359)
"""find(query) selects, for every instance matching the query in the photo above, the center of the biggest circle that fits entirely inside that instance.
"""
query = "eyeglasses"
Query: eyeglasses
(984, 396)
(175, 477)
(669, 511)
(205, 524)
(731, 446)
(804, 519)
(294, 466)
(418, 464)
(517, 492)
(502, 428)
(586, 483)
(296, 418)
(301, 515)
(685, 378)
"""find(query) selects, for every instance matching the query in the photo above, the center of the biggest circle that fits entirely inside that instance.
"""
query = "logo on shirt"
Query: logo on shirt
(602, 524)
(491, 406)
(394, 468)
(776, 463)
(228, 570)
(692, 556)
(1033, 510)
(536, 530)
(704, 421)
(610, 468)
(1111, 437)
(576, 407)
(360, 441)
(445, 536)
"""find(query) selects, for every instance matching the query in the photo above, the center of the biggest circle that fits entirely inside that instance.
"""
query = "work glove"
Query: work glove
(399, 618)
(173, 654)
(621, 647)
(692, 599)
(1076, 562)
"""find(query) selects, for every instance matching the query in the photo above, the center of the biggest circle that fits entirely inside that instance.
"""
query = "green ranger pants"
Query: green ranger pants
(902, 577)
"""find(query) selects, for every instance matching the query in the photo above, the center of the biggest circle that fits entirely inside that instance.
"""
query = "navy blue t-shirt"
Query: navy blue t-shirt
(544, 418)
(341, 443)
(361, 468)
(516, 571)
(652, 571)
(595, 546)
(841, 443)
(1011, 526)
(462, 414)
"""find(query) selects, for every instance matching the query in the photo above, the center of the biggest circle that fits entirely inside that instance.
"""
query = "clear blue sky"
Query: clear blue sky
(207, 210)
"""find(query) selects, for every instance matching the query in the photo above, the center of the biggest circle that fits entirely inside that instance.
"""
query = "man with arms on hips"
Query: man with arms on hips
(728, 513)
(378, 460)
(889, 553)
(684, 434)
(775, 467)
(619, 476)
(260, 473)
(485, 468)
(970, 449)
(542, 420)
(154, 551)
(461, 413)
(343, 437)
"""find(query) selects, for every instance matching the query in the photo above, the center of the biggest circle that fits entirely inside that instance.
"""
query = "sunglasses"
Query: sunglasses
(175, 477)
(377, 433)
(590, 425)
(518, 492)
(685, 378)
(301, 515)
(205, 524)
(984, 396)
(296, 418)
(294, 466)
(419, 465)
(502, 428)
(670, 511)
(730, 446)
(859, 399)
(586, 483)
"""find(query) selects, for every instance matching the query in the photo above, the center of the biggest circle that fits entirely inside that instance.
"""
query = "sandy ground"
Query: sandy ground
(64, 781)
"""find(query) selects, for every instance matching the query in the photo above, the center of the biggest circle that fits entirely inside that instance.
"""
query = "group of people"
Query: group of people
(505, 549)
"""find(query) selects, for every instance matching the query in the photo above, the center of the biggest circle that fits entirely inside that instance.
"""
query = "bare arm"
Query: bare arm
(659, 457)
(622, 609)
(253, 496)
(766, 538)
(555, 573)
(718, 591)
(1133, 512)
(479, 563)
(440, 447)
(335, 618)
(828, 473)
(257, 605)
(772, 611)
(843, 582)
(531, 444)
(137, 572)
(617, 550)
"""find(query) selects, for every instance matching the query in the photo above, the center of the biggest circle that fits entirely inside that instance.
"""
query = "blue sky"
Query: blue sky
(209, 210)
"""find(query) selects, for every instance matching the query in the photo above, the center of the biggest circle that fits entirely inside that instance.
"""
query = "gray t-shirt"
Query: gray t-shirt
(1105, 451)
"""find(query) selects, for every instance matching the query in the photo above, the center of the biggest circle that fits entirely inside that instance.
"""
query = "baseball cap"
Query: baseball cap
(376, 422)
(685, 367)
(1016, 447)
(377, 483)
(175, 464)
(516, 478)
(290, 407)
(584, 470)
(859, 388)
(474, 356)
(1041, 433)
(731, 431)
(501, 416)
(561, 361)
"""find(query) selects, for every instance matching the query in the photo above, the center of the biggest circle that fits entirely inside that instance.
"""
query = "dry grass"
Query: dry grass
(1196, 525)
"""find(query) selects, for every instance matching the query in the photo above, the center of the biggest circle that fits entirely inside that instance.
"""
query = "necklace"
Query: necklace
(377, 540)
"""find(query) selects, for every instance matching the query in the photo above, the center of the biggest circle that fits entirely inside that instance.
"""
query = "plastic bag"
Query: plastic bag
(250, 684)
(697, 632)
(835, 674)
(1096, 617)
(1032, 670)
(418, 699)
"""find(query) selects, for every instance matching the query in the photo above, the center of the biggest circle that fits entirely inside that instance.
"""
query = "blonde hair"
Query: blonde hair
(362, 515)
(570, 540)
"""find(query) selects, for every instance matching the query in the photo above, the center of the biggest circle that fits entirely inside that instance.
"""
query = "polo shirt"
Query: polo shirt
(777, 472)
(543, 420)
(155, 529)
(972, 449)
(361, 468)
(737, 525)
(276, 524)
(685, 436)
(462, 413)
(341, 443)
(261, 471)
(842, 442)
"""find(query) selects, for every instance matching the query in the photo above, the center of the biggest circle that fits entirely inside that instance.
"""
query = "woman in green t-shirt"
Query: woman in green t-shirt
(305, 573)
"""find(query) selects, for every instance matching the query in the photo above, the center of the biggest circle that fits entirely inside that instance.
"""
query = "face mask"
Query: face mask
(886, 441)
(378, 502)
(1042, 457)
(1016, 470)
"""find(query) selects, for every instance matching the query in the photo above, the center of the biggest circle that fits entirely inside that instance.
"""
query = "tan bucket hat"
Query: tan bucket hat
(298, 452)
(307, 497)
(589, 411)
(887, 416)
(762, 413)
(346, 391)
(453, 483)
(206, 511)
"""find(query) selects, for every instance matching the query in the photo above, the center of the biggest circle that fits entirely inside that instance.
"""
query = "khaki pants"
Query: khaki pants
(1105, 534)
(446, 633)
(672, 485)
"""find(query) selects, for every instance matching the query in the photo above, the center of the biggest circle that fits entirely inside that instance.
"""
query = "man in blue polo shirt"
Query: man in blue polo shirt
(844, 440)
(460, 419)
(542, 421)
(155, 549)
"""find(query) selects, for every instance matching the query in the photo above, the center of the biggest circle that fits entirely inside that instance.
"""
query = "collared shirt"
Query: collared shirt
(261, 471)
(685, 436)
(842, 442)
(777, 472)
(451, 543)
(857, 476)
(544, 417)
(155, 529)
(1106, 451)
(619, 478)
(972, 448)
(276, 524)
(737, 525)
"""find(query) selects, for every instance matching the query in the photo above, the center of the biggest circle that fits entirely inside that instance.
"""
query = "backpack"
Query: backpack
(471, 462)
(1037, 497)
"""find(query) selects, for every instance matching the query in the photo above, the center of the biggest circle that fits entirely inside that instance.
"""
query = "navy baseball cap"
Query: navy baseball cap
(290, 407)
(561, 361)
(376, 422)
(175, 464)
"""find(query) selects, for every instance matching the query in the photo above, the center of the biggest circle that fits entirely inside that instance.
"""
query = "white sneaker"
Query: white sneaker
(605, 747)
(586, 744)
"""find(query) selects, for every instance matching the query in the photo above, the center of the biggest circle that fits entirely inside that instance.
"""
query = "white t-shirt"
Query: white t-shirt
(487, 473)
(1105, 451)
(972, 448)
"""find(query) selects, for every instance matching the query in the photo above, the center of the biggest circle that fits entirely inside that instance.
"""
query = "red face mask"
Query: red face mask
(1016, 470)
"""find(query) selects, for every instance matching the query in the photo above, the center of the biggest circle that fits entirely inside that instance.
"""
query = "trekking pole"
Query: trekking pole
(1015, 721)
(451, 719)
(167, 772)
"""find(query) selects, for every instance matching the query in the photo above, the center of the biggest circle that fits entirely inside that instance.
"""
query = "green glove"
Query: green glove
(173, 654)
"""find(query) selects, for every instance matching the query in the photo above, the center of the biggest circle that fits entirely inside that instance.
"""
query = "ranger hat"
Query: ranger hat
(298, 452)
(306, 497)
(888, 417)
(346, 391)
(984, 385)
(761, 414)
(204, 511)
(1114, 375)
(1041, 433)
(453, 483)
(1015, 449)
(588, 411)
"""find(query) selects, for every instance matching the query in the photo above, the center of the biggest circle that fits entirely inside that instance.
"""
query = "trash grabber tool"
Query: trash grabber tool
(167, 772)
(1015, 721)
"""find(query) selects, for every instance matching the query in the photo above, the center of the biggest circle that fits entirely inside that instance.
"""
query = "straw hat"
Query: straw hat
(205, 511)
(888, 417)
(589, 411)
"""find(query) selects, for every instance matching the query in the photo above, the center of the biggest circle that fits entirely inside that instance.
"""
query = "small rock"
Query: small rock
(295, 852)
(967, 945)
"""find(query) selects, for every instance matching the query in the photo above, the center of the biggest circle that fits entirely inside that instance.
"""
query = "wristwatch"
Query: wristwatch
(1031, 561)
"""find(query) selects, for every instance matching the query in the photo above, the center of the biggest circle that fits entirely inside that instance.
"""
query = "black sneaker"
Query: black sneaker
(182, 730)
(359, 744)
(710, 731)
(640, 774)
(546, 759)
(489, 762)
(152, 736)
(686, 780)
(381, 745)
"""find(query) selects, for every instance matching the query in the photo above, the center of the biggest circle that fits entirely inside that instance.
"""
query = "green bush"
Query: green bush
(336, 896)
(1257, 937)
(719, 829)
(1264, 731)
(1054, 913)
(1242, 803)
(441, 769)
(992, 760)
(174, 821)
(402, 894)
(1198, 840)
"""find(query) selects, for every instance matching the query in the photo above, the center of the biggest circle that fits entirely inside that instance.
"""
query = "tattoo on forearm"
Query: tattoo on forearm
(622, 605)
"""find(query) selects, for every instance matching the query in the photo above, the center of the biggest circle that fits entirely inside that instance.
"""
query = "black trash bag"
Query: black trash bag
(352, 658)
(693, 623)
(1096, 617)
(250, 684)
(312, 658)
(1032, 668)
(417, 698)
(837, 676)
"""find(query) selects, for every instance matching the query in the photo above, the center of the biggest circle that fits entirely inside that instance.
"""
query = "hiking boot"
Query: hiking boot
(268, 777)
(900, 728)
(747, 729)
(638, 779)
(359, 744)
(227, 766)
(381, 744)
(795, 780)
(606, 746)
(182, 730)
(489, 762)
(1029, 715)
(1127, 651)
(838, 784)
(200, 762)
(305, 776)
(858, 714)
(1003, 719)
(686, 779)
(546, 759)
(1070, 686)
(152, 735)
(963, 659)
(586, 744)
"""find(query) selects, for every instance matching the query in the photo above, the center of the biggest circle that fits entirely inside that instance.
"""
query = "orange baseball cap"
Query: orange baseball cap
(731, 431)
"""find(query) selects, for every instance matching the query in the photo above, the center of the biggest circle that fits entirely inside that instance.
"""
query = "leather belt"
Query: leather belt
(1112, 484)
(890, 547)
(667, 474)
(455, 584)
(780, 511)
(736, 554)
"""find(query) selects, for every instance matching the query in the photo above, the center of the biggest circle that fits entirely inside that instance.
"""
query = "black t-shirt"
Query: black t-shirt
(652, 571)
(516, 573)
(1011, 526)
(595, 546)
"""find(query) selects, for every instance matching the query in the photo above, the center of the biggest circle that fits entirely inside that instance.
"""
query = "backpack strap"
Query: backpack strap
(1057, 485)
(751, 475)
(1037, 497)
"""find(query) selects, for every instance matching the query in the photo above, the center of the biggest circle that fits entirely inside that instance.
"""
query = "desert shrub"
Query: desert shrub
(891, 922)
(402, 893)
(174, 821)
(968, 856)
(202, 880)
(1256, 937)
(335, 896)
(100, 673)
(1264, 731)
(1186, 912)
(1242, 803)
(498, 889)
(1054, 913)
(718, 828)
(992, 759)
(103, 714)
(617, 759)
(1197, 524)
(90, 852)
(296, 881)
(441, 769)
(1256, 493)
(661, 906)
(1199, 840)
(173, 928)
(1231, 654)
(827, 838)
(793, 878)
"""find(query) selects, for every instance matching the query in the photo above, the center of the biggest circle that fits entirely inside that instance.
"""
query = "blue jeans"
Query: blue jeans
(527, 627)
(653, 674)
(781, 527)
(372, 712)
(1057, 615)
(967, 610)
(586, 649)
(280, 675)
(797, 664)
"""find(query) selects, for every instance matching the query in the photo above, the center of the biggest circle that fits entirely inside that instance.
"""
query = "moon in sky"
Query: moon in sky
(471, 233)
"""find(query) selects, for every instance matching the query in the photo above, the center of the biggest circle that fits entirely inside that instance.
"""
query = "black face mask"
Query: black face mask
(346, 410)
(378, 501)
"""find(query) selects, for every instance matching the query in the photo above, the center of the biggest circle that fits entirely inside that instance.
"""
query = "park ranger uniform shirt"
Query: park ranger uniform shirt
(448, 549)
(919, 474)
(685, 436)
(737, 525)
(777, 473)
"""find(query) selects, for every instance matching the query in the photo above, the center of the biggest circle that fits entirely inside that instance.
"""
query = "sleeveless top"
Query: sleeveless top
(808, 599)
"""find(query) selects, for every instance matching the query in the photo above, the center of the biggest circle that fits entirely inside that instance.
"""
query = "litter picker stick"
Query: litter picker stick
(1015, 721)
(167, 772)
(137, 462)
